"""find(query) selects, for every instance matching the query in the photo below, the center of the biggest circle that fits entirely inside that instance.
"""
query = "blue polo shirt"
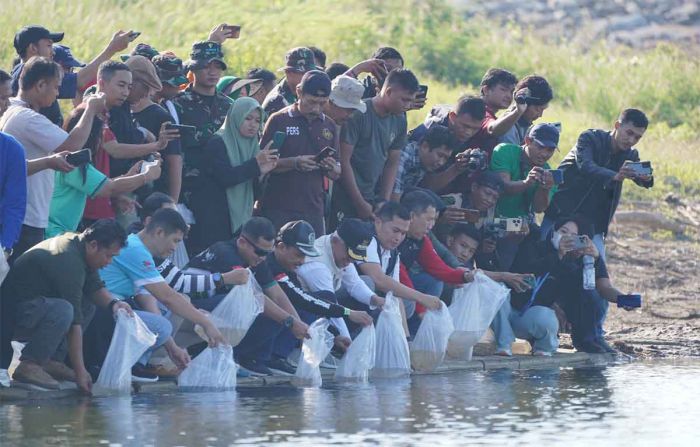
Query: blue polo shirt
(132, 270)
(13, 190)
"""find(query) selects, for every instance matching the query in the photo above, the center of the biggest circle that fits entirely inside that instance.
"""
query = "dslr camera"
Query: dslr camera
(477, 160)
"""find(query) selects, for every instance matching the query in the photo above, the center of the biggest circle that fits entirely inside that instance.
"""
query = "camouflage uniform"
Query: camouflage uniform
(299, 60)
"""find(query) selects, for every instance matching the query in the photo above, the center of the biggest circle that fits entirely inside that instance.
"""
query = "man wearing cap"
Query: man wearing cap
(172, 75)
(295, 242)
(142, 49)
(37, 41)
(532, 97)
(201, 106)
(299, 61)
(295, 188)
(345, 98)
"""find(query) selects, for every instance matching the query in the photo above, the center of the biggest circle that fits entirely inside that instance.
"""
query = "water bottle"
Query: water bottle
(588, 273)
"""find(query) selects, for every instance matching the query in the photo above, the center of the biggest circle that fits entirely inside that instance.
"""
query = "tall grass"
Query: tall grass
(446, 50)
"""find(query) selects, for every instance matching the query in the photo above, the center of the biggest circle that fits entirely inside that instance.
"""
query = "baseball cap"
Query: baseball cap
(169, 69)
(545, 134)
(203, 53)
(300, 234)
(316, 83)
(63, 56)
(33, 34)
(491, 180)
(300, 59)
(347, 92)
(142, 49)
(144, 71)
(356, 234)
(238, 84)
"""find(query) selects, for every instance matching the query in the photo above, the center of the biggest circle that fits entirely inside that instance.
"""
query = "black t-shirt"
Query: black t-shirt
(151, 118)
(122, 124)
(223, 257)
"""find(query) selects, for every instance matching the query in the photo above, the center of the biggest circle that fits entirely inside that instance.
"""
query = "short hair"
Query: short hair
(4, 76)
(402, 78)
(259, 227)
(336, 69)
(108, 69)
(466, 229)
(634, 116)
(389, 210)
(418, 202)
(38, 69)
(266, 76)
(319, 55)
(106, 232)
(471, 105)
(495, 76)
(167, 219)
(385, 53)
(540, 90)
(436, 136)
(153, 203)
(584, 224)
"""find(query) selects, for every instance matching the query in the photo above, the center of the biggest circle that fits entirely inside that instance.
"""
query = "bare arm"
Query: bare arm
(174, 163)
(347, 179)
(120, 41)
(121, 150)
(501, 125)
(606, 289)
(56, 162)
(80, 133)
(386, 283)
(391, 167)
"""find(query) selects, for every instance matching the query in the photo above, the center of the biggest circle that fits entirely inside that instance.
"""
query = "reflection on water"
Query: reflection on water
(639, 403)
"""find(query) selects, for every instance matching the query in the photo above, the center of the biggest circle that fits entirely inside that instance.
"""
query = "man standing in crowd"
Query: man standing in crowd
(172, 75)
(532, 97)
(345, 98)
(299, 61)
(497, 88)
(13, 190)
(371, 145)
(5, 91)
(295, 188)
(33, 41)
(45, 144)
(53, 307)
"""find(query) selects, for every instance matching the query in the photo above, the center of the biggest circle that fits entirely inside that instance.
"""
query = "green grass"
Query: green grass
(447, 51)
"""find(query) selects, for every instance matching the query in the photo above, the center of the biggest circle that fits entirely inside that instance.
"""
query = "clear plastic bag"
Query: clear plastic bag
(392, 359)
(4, 266)
(212, 370)
(313, 351)
(359, 358)
(429, 345)
(130, 340)
(473, 308)
(236, 312)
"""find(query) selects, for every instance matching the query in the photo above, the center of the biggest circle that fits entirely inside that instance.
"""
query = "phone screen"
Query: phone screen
(278, 140)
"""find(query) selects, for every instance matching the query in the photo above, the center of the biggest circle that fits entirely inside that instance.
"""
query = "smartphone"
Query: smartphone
(278, 139)
(634, 300)
(134, 34)
(146, 164)
(422, 92)
(234, 31)
(580, 243)
(471, 216)
(640, 167)
(79, 158)
(557, 176)
(181, 127)
(510, 224)
(325, 153)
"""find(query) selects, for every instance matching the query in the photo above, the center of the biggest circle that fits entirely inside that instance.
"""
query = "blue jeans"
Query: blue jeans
(538, 324)
(425, 283)
(258, 342)
(160, 326)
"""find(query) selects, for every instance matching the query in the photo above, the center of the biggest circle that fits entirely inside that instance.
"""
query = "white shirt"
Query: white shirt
(383, 261)
(321, 273)
(39, 137)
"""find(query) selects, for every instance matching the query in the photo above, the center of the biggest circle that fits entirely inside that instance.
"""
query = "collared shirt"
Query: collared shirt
(54, 268)
(67, 90)
(483, 139)
(295, 190)
(411, 170)
(279, 97)
(382, 257)
(516, 134)
(132, 270)
(207, 115)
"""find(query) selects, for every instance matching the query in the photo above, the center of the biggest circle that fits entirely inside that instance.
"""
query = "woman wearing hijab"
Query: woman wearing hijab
(232, 163)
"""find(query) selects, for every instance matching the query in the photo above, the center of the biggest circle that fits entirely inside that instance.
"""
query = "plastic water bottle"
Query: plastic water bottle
(588, 273)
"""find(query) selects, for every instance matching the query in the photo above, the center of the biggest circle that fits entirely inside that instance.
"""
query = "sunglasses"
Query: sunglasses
(258, 251)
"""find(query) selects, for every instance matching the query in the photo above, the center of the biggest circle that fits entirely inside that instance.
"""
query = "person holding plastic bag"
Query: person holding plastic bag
(212, 370)
(392, 358)
(53, 284)
(359, 358)
(429, 345)
(130, 340)
(313, 351)
(473, 308)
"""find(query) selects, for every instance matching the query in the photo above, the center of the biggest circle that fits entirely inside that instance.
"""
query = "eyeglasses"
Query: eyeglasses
(258, 251)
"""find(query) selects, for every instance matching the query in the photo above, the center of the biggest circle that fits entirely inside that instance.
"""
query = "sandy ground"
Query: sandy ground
(664, 268)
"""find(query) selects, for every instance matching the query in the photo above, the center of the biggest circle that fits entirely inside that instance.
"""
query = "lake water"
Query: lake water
(641, 403)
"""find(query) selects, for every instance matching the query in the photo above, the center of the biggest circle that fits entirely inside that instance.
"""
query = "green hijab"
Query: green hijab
(240, 150)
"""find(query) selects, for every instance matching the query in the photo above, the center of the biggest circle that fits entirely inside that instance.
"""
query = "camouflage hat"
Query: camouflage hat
(300, 59)
(170, 69)
(142, 49)
(203, 53)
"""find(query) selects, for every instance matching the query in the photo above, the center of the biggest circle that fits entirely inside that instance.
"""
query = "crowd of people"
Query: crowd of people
(169, 183)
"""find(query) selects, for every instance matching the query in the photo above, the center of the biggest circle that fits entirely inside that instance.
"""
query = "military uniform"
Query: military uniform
(299, 60)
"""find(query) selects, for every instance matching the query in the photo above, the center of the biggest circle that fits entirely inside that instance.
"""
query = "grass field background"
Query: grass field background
(448, 52)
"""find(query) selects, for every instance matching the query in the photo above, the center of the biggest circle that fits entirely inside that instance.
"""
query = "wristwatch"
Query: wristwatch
(346, 311)
(288, 322)
(218, 280)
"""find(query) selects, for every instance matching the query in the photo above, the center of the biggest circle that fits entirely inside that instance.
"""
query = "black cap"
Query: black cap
(491, 180)
(300, 59)
(203, 53)
(316, 83)
(545, 134)
(300, 234)
(33, 34)
(356, 234)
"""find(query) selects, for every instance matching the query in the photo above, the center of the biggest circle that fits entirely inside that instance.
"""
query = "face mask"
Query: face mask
(556, 239)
